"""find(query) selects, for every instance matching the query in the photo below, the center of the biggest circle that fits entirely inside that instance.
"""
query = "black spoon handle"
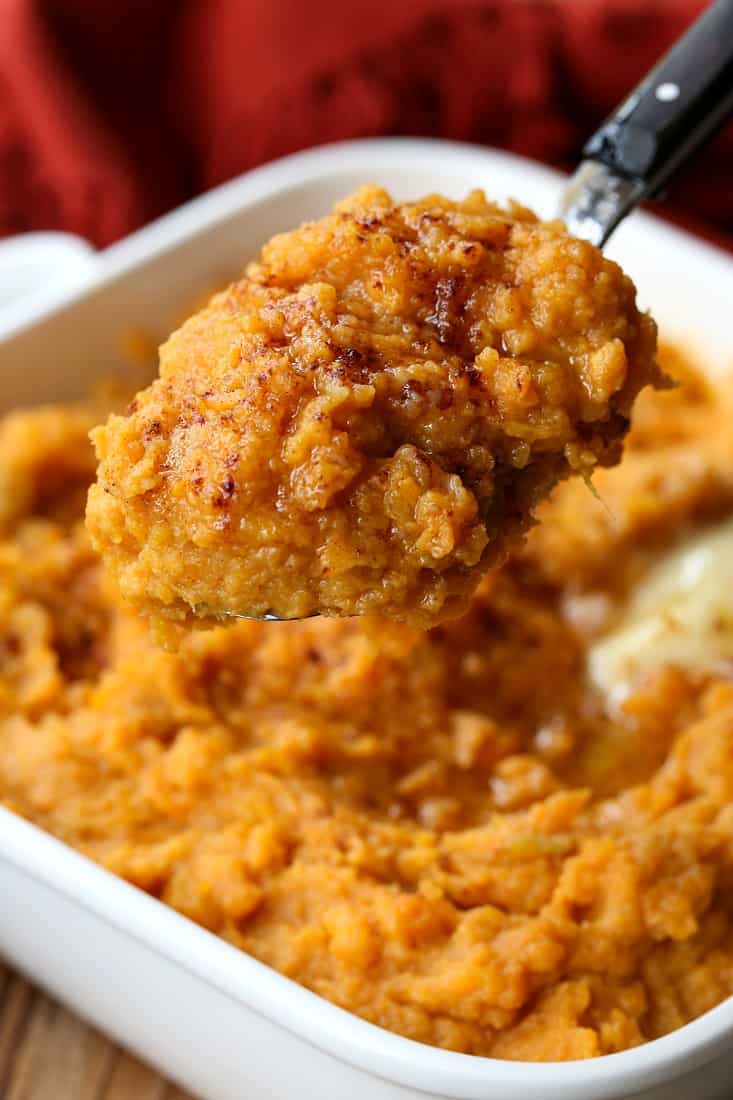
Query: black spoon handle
(685, 98)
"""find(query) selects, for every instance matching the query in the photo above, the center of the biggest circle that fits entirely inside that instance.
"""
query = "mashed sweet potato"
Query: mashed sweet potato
(368, 418)
(448, 833)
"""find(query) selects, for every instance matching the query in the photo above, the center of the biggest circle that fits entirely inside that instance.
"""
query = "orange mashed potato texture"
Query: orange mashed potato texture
(447, 833)
(364, 421)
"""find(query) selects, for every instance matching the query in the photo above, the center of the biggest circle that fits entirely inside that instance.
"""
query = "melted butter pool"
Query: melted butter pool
(681, 613)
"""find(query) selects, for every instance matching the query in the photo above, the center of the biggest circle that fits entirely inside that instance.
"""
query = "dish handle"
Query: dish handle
(32, 263)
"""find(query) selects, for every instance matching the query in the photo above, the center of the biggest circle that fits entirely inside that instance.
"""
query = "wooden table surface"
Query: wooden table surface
(48, 1054)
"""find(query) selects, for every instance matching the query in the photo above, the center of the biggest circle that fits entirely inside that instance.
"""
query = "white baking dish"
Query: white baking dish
(221, 1024)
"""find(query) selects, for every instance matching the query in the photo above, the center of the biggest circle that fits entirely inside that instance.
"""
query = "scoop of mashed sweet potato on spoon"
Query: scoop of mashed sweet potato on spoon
(367, 420)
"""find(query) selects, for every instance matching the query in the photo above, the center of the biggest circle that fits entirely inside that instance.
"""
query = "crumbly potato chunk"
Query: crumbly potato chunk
(367, 419)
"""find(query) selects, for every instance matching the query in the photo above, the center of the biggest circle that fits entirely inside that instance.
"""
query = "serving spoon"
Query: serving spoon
(682, 101)
(678, 105)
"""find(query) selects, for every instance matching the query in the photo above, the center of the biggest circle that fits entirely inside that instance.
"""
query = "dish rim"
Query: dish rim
(202, 213)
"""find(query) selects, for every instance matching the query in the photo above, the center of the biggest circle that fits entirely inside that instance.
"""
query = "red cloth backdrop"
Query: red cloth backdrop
(112, 111)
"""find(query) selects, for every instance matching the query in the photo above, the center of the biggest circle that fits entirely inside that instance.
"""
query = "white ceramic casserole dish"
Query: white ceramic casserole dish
(221, 1024)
